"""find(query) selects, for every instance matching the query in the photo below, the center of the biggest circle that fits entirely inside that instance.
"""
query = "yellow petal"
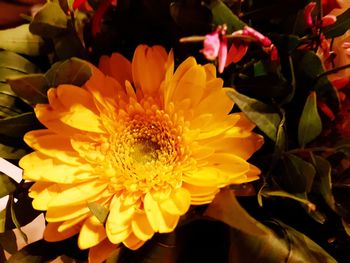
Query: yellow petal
(102, 251)
(160, 220)
(53, 145)
(67, 213)
(191, 86)
(37, 188)
(82, 118)
(118, 225)
(52, 234)
(132, 242)
(38, 167)
(228, 163)
(71, 222)
(242, 147)
(51, 119)
(79, 194)
(70, 96)
(205, 177)
(148, 68)
(141, 227)
(172, 83)
(90, 148)
(244, 122)
(117, 67)
(201, 195)
(44, 197)
(178, 202)
(251, 175)
(92, 232)
(216, 103)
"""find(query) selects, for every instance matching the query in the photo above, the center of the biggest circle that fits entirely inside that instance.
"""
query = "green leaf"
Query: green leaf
(15, 220)
(283, 244)
(310, 124)
(6, 73)
(298, 174)
(259, 69)
(310, 68)
(344, 148)
(339, 27)
(223, 15)
(14, 61)
(20, 40)
(11, 153)
(17, 126)
(3, 220)
(72, 71)
(74, 49)
(324, 183)
(50, 21)
(99, 211)
(7, 185)
(226, 209)
(279, 193)
(32, 87)
(258, 112)
(9, 103)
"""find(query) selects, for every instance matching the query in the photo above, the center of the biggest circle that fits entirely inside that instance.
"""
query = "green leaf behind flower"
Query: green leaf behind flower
(283, 244)
(17, 126)
(226, 209)
(7, 185)
(21, 40)
(223, 15)
(99, 211)
(311, 71)
(258, 112)
(11, 60)
(310, 124)
(339, 27)
(50, 21)
(298, 174)
(32, 87)
(323, 184)
(72, 71)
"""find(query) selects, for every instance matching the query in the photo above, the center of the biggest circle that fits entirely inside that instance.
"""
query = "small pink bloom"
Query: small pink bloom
(308, 14)
(248, 31)
(222, 53)
(328, 20)
(211, 45)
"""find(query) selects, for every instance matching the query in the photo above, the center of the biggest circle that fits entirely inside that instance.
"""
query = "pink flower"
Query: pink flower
(215, 46)
(211, 45)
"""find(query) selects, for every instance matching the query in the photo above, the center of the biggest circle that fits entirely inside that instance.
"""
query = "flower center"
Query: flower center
(146, 153)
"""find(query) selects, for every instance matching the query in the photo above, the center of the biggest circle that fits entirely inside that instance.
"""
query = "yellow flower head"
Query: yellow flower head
(139, 139)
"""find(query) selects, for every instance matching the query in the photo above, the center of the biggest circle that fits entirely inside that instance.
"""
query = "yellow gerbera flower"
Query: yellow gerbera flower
(139, 139)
